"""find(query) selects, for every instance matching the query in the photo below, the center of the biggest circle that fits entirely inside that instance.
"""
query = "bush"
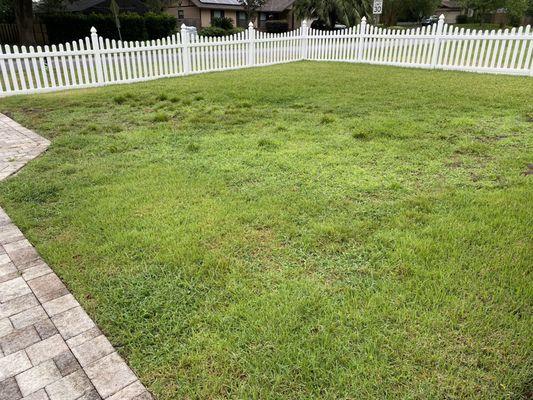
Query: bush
(277, 26)
(159, 25)
(218, 32)
(213, 31)
(223, 22)
(462, 19)
(67, 27)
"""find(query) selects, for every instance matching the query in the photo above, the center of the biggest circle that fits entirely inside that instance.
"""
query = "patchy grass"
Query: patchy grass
(364, 232)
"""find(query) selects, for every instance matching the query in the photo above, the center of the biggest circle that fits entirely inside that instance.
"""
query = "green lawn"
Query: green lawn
(305, 231)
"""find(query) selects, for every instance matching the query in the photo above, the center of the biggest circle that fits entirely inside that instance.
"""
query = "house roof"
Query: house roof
(81, 5)
(450, 4)
(277, 5)
(269, 6)
(103, 5)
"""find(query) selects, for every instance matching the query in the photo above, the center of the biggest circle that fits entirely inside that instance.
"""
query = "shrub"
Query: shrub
(159, 25)
(66, 27)
(218, 32)
(277, 26)
(213, 31)
(223, 22)
(462, 19)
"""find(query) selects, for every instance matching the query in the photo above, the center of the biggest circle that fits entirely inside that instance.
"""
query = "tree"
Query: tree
(50, 6)
(251, 7)
(24, 18)
(421, 8)
(391, 10)
(7, 14)
(481, 7)
(330, 12)
(516, 9)
(113, 7)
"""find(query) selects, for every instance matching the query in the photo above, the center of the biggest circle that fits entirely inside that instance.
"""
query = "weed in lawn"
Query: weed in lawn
(360, 134)
(119, 99)
(160, 117)
(327, 119)
(122, 98)
(114, 128)
(193, 148)
(267, 144)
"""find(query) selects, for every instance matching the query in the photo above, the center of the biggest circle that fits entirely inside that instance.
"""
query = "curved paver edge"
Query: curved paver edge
(49, 347)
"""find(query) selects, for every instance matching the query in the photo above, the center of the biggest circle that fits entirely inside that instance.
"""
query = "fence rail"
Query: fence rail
(95, 61)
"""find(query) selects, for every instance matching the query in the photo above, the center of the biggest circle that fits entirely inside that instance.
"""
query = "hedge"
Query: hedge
(277, 26)
(214, 31)
(63, 27)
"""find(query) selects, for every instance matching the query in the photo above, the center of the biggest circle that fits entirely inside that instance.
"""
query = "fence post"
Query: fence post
(251, 44)
(305, 41)
(97, 56)
(186, 49)
(360, 44)
(438, 39)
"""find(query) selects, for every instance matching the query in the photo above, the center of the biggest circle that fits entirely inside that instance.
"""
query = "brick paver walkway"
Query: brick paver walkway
(50, 349)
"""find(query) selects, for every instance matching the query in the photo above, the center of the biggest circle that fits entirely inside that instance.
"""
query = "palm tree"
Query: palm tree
(331, 12)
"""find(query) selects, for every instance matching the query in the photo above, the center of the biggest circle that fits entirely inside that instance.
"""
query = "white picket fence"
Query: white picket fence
(96, 61)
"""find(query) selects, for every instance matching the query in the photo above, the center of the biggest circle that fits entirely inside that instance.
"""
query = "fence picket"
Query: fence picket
(523, 49)
(5, 74)
(510, 47)
(527, 63)
(26, 67)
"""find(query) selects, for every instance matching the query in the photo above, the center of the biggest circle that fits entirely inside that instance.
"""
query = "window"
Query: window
(181, 14)
(242, 20)
(217, 14)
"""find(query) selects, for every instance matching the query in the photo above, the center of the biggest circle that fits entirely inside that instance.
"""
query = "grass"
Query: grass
(363, 232)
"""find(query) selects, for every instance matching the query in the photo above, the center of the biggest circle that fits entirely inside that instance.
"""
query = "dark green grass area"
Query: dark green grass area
(305, 231)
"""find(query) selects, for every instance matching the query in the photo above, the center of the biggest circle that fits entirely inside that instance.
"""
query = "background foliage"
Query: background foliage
(67, 27)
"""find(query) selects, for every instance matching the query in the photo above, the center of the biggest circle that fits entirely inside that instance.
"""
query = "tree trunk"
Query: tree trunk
(332, 20)
(24, 17)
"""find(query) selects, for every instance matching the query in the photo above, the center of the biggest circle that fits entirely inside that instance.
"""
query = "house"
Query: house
(199, 13)
(450, 9)
(103, 6)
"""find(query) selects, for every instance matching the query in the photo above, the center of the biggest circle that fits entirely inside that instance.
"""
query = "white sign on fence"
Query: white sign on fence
(378, 7)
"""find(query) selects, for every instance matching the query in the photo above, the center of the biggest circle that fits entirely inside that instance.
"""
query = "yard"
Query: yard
(310, 230)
